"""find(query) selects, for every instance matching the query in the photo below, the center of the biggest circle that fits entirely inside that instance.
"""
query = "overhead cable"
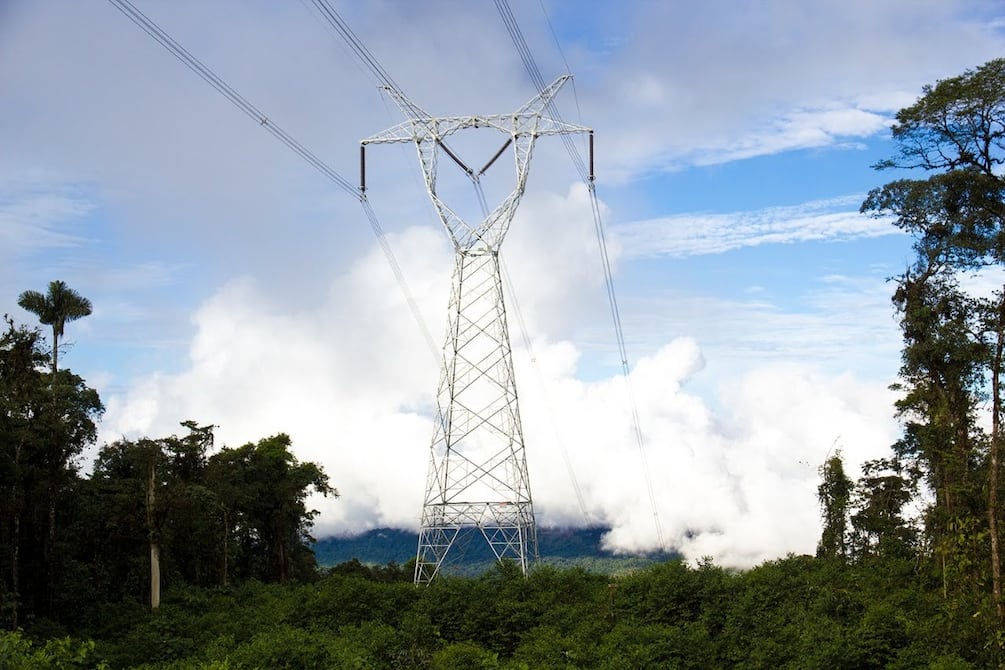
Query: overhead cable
(546, 400)
(513, 28)
(343, 30)
(239, 101)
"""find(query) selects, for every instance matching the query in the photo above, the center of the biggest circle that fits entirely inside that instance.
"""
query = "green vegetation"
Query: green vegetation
(907, 572)
(798, 612)
(79, 553)
(954, 339)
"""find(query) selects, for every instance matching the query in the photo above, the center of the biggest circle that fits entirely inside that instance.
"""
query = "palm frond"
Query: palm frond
(37, 304)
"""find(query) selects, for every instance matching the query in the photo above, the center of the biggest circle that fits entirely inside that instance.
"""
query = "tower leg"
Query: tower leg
(478, 488)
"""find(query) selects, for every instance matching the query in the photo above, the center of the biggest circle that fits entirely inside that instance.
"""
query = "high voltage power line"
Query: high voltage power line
(377, 70)
(530, 64)
(242, 103)
(238, 100)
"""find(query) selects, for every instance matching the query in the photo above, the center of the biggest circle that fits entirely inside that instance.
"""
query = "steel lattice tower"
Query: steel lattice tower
(477, 484)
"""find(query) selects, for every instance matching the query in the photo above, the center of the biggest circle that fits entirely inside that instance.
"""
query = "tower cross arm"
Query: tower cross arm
(431, 128)
(548, 126)
(515, 125)
(402, 132)
(529, 120)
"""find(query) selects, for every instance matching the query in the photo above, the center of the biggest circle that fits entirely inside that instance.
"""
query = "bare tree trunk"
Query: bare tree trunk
(155, 575)
(15, 545)
(284, 564)
(55, 354)
(155, 553)
(996, 581)
(226, 542)
(15, 578)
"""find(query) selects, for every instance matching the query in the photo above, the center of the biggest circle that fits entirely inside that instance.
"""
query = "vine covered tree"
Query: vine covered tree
(155, 489)
(879, 525)
(834, 494)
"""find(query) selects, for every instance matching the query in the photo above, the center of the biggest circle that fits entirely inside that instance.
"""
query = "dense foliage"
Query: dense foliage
(168, 512)
(798, 612)
(46, 420)
(907, 572)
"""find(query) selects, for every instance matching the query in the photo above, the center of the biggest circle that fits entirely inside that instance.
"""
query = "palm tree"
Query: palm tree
(59, 305)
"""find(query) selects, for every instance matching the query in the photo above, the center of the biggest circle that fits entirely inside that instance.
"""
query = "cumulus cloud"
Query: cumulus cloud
(353, 384)
(348, 380)
(737, 483)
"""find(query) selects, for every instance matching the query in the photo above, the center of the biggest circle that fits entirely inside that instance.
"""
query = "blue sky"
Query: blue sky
(234, 285)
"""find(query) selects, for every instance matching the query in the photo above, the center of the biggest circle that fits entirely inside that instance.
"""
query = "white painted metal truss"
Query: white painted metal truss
(478, 484)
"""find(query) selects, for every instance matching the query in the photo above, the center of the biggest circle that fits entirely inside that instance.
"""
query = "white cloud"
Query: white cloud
(798, 129)
(352, 383)
(342, 379)
(552, 258)
(696, 234)
(738, 483)
(984, 282)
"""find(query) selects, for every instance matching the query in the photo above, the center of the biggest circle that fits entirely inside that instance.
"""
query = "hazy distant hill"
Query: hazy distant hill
(559, 546)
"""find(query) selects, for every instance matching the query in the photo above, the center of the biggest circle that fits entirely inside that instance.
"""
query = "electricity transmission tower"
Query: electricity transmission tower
(478, 487)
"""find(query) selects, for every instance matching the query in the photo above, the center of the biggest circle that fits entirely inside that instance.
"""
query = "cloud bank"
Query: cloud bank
(352, 382)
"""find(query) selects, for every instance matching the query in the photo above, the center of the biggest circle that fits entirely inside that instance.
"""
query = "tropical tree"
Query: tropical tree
(55, 307)
(994, 320)
(42, 429)
(170, 511)
(154, 488)
(952, 356)
(21, 388)
(263, 489)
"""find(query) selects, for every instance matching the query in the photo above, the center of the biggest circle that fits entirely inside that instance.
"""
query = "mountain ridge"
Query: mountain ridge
(560, 546)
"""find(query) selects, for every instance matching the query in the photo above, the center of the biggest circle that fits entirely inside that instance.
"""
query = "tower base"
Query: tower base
(506, 529)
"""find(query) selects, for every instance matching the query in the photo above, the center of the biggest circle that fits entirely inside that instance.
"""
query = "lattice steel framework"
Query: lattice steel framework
(478, 485)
